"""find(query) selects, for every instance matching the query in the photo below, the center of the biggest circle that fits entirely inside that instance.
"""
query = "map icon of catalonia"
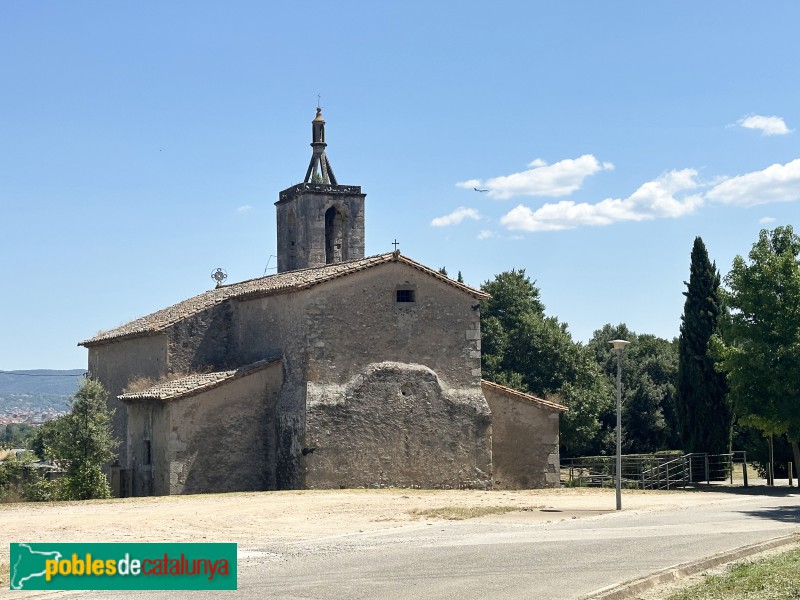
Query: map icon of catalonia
(28, 564)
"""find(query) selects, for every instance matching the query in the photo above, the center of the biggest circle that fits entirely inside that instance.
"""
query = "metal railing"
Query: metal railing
(662, 471)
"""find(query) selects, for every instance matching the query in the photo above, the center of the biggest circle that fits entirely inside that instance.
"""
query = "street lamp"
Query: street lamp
(619, 345)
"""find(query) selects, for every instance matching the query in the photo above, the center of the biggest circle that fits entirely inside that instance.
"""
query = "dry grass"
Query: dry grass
(141, 384)
(460, 513)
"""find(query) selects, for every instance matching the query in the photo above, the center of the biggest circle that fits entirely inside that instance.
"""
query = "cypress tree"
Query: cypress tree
(704, 414)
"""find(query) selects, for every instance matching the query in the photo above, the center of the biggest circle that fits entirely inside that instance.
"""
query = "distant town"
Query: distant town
(36, 396)
(33, 410)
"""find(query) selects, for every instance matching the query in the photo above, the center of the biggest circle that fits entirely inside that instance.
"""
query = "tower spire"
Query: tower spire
(319, 169)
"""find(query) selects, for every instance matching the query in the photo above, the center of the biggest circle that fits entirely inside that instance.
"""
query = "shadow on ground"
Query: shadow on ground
(784, 514)
(752, 490)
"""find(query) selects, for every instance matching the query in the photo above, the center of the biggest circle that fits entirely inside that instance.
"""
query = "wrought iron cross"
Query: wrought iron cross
(395, 243)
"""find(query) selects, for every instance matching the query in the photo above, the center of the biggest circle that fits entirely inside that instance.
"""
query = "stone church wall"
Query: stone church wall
(220, 440)
(202, 341)
(147, 424)
(424, 420)
(117, 364)
(275, 326)
(350, 319)
(393, 425)
(524, 442)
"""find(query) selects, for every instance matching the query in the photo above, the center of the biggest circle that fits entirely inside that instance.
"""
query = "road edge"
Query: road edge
(629, 589)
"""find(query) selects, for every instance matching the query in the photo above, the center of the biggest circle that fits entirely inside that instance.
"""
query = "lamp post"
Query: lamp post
(619, 345)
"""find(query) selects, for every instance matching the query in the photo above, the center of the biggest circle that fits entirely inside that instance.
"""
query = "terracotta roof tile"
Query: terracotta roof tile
(522, 396)
(271, 284)
(192, 384)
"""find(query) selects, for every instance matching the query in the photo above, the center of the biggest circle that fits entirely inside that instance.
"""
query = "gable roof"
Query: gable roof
(516, 395)
(193, 384)
(287, 282)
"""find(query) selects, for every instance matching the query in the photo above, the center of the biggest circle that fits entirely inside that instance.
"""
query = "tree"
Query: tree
(649, 373)
(16, 435)
(460, 278)
(524, 349)
(705, 418)
(443, 271)
(81, 441)
(762, 354)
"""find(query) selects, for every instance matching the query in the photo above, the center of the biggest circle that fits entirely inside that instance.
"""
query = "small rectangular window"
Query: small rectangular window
(146, 458)
(405, 295)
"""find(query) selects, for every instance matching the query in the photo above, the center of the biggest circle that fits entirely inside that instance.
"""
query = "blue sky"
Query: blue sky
(144, 144)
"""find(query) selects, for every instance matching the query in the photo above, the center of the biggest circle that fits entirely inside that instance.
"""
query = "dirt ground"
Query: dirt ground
(250, 519)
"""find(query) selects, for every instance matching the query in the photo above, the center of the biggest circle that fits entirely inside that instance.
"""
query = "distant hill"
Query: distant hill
(41, 382)
(37, 395)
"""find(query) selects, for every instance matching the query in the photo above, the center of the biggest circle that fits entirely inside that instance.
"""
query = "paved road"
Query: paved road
(550, 561)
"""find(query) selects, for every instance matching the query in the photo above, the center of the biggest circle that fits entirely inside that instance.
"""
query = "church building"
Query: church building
(339, 371)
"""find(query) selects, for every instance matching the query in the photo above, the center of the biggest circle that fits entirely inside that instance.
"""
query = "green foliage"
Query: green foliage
(40, 489)
(704, 415)
(762, 354)
(756, 444)
(17, 435)
(460, 278)
(20, 480)
(443, 271)
(772, 578)
(526, 350)
(649, 371)
(81, 442)
(11, 473)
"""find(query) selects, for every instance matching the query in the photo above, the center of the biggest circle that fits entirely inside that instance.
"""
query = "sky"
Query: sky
(143, 145)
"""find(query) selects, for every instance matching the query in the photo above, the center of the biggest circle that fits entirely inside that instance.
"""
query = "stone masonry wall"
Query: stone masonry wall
(202, 341)
(357, 320)
(274, 326)
(118, 363)
(221, 440)
(332, 332)
(393, 425)
(433, 344)
(301, 224)
(524, 442)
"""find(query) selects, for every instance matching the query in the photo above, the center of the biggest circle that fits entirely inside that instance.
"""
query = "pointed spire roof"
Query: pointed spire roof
(319, 166)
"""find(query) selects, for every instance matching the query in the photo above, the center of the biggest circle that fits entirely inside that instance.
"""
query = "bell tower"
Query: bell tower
(319, 221)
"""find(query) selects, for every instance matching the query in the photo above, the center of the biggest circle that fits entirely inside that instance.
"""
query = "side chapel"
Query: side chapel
(339, 371)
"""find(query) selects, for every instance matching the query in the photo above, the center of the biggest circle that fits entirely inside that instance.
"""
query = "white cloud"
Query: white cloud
(776, 183)
(469, 183)
(767, 125)
(654, 199)
(455, 217)
(559, 179)
(485, 234)
(244, 209)
(766, 220)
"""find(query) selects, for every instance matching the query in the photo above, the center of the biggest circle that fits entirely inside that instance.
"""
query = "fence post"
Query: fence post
(730, 467)
(683, 472)
(744, 469)
(790, 475)
(708, 476)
